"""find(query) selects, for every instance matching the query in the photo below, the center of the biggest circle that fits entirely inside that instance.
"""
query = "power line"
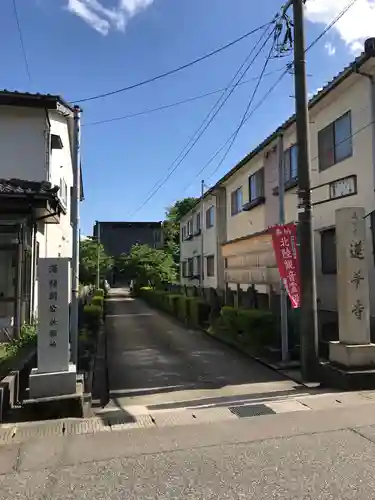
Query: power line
(173, 71)
(318, 38)
(260, 103)
(332, 23)
(248, 105)
(164, 180)
(23, 49)
(177, 103)
(208, 118)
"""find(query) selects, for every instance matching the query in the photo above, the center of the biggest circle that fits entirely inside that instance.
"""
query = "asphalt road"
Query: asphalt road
(306, 455)
(150, 354)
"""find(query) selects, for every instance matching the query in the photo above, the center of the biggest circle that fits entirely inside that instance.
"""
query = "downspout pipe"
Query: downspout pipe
(76, 232)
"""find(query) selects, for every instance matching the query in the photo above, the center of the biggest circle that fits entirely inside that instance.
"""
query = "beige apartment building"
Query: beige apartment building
(342, 151)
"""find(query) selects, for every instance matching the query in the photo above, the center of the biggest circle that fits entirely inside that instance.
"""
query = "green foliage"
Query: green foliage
(174, 215)
(257, 327)
(97, 300)
(191, 310)
(228, 316)
(180, 209)
(251, 327)
(146, 264)
(28, 336)
(88, 261)
(99, 292)
(198, 311)
(92, 317)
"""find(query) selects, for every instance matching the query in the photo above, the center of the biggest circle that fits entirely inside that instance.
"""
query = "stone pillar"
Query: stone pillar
(353, 356)
(54, 376)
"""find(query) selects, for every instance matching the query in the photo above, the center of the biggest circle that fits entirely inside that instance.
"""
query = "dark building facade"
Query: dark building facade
(119, 237)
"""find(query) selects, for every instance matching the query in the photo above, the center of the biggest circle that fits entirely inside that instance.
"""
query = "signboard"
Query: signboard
(53, 315)
(284, 239)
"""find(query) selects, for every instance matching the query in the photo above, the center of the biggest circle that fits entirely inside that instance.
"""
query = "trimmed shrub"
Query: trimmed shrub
(256, 328)
(97, 301)
(228, 320)
(251, 327)
(182, 308)
(92, 317)
(192, 310)
(99, 292)
(198, 311)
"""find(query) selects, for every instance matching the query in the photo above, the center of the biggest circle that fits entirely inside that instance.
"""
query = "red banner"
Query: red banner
(284, 239)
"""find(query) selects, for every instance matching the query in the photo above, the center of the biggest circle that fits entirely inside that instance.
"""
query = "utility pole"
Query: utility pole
(283, 293)
(308, 309)
(97, 254)
(76, 195)
(201, 277)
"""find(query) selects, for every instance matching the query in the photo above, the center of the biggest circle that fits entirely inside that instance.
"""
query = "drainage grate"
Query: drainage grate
(251, 410)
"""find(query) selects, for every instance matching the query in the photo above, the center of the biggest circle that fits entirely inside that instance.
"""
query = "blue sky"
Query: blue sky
(92, 47)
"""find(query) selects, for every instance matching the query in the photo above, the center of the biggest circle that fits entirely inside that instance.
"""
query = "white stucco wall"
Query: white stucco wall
(191, 248)
(253, 221)
(23, 143)
(59, 236)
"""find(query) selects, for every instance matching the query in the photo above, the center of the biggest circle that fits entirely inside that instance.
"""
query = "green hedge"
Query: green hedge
(190, 310)
(92, 318)
(251, 327)
(97, 301)
(99, 292)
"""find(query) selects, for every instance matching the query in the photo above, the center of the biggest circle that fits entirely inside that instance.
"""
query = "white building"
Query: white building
(342, 162)
(202, 232)
(36, 179)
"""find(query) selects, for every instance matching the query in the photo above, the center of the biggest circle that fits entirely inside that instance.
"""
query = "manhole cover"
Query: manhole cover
(118, 419)
(251, 410)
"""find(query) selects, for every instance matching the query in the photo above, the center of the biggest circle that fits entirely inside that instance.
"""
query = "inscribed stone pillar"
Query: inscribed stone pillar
(352, 277)
(55, 376)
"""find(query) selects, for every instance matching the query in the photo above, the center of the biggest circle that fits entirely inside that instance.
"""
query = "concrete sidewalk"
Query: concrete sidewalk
(302, 455)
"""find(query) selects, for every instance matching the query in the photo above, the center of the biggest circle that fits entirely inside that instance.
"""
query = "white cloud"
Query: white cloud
(357, 24)
(331, 49)
(103, 18)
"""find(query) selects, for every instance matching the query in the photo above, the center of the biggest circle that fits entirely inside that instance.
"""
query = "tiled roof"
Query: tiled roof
(23, 187)
(14, 98)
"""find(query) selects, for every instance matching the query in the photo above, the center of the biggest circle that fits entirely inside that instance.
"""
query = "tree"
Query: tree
(88, 252)
(174, 215)
(145, 264)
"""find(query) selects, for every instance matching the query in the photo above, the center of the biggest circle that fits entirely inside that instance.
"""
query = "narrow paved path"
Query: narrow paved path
(155, 361)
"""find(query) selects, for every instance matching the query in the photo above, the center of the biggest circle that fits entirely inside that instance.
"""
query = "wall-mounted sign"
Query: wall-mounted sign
(343, 187)
(53, 315)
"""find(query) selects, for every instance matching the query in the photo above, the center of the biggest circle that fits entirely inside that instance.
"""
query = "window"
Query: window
(198, 221)
(291, 163)
(190, 227)
(183, 233)
(256, 185)
(210, 265)
(335, 142)
(63, 192)
(190, 264)
(197, 265)
(56, 142)
(183, 268)
(328, 251)
(236, 201)
(210, 217)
